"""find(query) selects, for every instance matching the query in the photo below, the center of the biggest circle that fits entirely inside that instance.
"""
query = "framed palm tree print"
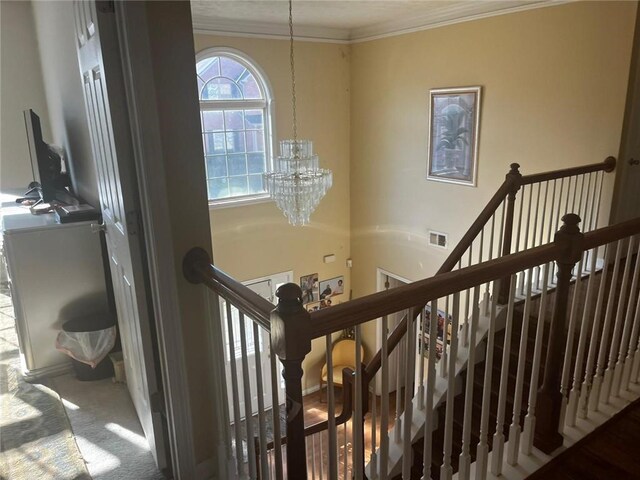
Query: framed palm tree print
(454, 120)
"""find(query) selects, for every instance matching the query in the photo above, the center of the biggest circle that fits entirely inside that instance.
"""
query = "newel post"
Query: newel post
(515, 178)
(291, 341)
(549, 405)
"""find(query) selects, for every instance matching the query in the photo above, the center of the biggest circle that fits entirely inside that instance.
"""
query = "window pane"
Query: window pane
(218, 188)
(217, 166)
(238, 186)
(255, 184)
(249, 87)
(235, 142)
(231, 69)
(257, 163)
(255, 141)
(221, 89)
(212, 121)
(208, 68)
(237, 164)
(214, 143)
(253, 120)
(234, 119)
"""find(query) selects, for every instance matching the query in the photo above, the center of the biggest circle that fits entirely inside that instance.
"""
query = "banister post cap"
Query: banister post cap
(515, 168)
(289, 293)
(290, 324)
(570, 238)
(195, 258)
(610, 164)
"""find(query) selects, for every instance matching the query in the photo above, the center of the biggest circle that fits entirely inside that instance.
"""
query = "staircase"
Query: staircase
(538, 344)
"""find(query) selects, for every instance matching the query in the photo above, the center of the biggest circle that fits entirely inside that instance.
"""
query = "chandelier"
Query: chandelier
(297, 183)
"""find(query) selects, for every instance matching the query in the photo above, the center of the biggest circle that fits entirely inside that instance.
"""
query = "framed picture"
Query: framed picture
(440, 335)
(310, 288)
(312, 307)
(454, 120)
(331, 288)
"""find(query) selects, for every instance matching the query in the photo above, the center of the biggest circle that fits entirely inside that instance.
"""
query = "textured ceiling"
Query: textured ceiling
(354, 16)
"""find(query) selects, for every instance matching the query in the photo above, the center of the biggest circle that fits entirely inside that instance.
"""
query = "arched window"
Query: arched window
(236, 125)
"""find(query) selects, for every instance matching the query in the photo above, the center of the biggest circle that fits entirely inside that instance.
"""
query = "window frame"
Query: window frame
(266, 105)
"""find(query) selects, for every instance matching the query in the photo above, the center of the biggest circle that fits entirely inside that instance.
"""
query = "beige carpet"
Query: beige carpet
(36, 442)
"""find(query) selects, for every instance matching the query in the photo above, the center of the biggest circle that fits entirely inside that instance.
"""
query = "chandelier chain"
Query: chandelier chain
(293, 72)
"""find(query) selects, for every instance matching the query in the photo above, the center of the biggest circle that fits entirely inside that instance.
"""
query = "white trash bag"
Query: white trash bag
(87, 347)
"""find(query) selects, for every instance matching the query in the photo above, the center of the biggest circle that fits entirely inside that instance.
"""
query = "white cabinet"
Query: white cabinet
(56, 274)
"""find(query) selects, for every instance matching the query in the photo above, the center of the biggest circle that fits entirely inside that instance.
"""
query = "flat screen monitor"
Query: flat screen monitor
(45, 165)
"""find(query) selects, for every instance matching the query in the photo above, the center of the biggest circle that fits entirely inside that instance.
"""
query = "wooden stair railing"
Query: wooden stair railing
(290, 320)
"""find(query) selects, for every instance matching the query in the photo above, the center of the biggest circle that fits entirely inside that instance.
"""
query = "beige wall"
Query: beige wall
(554, 83)
(21, 87)
(55, 32)
(255, 240)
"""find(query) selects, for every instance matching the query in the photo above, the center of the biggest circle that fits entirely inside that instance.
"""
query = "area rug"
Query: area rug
(35, 436)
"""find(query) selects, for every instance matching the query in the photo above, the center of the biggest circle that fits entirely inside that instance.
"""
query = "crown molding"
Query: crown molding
(206, 25)
(449, 15)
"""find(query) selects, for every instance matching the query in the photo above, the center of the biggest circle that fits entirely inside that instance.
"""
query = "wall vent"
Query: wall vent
(438, 239)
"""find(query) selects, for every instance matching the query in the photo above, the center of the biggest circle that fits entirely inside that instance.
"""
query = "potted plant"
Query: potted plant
(454, 135)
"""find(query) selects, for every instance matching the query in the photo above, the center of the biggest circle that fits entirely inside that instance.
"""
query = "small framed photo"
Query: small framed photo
(312, 307)
(442, 326)
(310, 288)
(454, 121)
(331, 288)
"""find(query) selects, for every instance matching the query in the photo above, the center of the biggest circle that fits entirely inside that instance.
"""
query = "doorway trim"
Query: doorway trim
(139, 83)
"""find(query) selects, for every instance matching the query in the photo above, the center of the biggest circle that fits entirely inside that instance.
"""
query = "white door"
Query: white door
(265, 287)
(100, 68)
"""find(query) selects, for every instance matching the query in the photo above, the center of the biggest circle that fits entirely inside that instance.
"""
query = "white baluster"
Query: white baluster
(590, 393)
(384, 401)
(358, 424)
(536, 270)
(331, 414)
(613, 373)
(431, 386)
(497, 453)
(234, 390)
(374, 420)
(399, 404)
(321, 457)
(521, 276)
(628, 374)
(568, 355)
(465, 455)
(410, 363)
(600, 380)
(518, 231)
(445, 348)
(574, 395)
(530, 418)
(446, 471)
(264, 465)
(246, 385)
(620, 383)
(514, 428)
(275, 410)
(482, 463)
(421, 360)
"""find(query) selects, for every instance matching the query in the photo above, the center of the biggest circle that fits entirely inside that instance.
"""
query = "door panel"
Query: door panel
(101, 72)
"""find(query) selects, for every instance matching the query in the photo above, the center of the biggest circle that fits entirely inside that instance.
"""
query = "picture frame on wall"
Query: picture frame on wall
(440, 335)
(454, 122)
(332, 287)
(310, 288)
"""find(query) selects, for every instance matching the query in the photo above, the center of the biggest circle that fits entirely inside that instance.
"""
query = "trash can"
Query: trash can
(88, 342)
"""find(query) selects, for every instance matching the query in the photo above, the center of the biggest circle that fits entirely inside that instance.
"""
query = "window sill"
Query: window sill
(239, 201)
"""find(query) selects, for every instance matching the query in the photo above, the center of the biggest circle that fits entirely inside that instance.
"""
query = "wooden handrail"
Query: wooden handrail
(360, 310)
(197, 268)
(608, 165)
(477, 226)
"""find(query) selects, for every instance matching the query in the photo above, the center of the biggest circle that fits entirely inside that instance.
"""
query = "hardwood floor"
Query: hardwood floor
(610, 452)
